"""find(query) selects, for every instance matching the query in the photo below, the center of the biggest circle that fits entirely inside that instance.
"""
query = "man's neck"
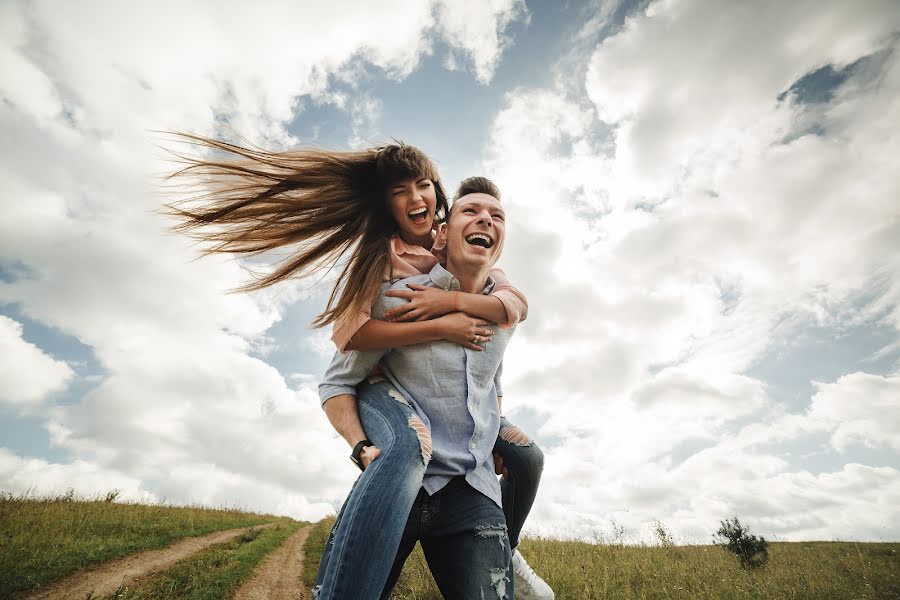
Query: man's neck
(470, 279)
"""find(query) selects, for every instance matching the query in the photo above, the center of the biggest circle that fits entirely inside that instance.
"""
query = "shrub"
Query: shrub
(663, 535)
(753, 551)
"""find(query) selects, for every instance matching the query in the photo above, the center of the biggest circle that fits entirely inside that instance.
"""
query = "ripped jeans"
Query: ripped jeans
(366, 536)
(464, 540)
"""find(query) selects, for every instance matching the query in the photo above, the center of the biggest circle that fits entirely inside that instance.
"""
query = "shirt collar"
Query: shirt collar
(398, 246)
(445, 280)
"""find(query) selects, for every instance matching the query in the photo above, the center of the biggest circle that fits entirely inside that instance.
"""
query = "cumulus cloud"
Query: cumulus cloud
(186, 410)
(666, 221)
(38, 478)
(667, 217)
(478, 30)
(27, 374)
(859, 408)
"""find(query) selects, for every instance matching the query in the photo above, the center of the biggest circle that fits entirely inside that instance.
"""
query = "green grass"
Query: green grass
(578, 570)
(806, 570)
(42, 540)
(215, 573)
(315, 545)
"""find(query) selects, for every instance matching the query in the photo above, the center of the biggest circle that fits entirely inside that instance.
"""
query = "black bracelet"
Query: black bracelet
(357, 451)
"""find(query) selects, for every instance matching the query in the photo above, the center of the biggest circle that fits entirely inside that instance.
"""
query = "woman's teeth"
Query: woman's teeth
(419, 215)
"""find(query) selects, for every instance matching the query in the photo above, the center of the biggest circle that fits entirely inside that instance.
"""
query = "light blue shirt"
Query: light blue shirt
(452, 389)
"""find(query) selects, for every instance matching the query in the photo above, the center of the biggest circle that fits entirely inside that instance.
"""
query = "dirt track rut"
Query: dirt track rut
(106, 578)
(278, 576)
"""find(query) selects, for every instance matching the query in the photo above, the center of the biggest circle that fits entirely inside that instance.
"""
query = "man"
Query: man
(450, 397)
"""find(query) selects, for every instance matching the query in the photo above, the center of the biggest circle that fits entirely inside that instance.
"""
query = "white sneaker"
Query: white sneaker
(528, 585)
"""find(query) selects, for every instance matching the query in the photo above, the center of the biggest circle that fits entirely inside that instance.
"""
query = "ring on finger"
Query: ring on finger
(477, 338)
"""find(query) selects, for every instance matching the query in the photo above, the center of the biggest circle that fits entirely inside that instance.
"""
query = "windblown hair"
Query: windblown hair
(477, 185)
(323, 204)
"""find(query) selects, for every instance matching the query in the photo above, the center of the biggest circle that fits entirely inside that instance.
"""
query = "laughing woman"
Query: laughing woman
(377, 211)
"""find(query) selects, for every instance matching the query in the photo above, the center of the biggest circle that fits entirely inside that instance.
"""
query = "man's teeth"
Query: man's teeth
(479, 239)
(419, 211)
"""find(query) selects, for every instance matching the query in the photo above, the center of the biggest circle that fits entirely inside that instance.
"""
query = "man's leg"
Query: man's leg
(467, 547)
(365, 539)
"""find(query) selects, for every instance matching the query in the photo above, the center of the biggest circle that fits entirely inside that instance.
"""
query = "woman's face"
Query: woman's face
(412, 204)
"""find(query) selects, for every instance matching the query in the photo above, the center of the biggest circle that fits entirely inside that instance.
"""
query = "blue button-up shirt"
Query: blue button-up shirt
(452, 389)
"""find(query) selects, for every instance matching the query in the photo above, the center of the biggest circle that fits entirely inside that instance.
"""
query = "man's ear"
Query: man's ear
(442, 234)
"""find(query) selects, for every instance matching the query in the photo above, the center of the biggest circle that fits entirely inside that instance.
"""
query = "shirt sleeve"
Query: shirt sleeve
(344, 330)
(513, 300)
(346, 371)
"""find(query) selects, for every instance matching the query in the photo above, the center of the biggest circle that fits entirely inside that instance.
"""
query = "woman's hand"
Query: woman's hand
(465, 330)
(368, 454)
(424, 303)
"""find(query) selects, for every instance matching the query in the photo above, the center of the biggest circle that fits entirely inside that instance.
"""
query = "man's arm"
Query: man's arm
(338, 395)
(498, 387)
(499, 466)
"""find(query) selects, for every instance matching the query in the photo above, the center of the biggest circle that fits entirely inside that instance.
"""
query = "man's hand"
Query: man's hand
(368, 454)
(500, 467)
(465, 330)
(423, 303)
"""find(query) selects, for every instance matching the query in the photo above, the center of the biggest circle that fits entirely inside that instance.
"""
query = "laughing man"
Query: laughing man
(446, 395)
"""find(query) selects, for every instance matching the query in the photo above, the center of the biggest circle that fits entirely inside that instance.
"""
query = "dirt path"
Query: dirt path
(278, 577)
(106, 578)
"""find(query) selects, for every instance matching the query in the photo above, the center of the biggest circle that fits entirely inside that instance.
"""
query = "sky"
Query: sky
(702, 209)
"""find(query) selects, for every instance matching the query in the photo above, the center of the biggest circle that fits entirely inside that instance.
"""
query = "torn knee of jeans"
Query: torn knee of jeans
(499, 581)
(393, 393)
(514, 435)
(493, 531)
(424, 437)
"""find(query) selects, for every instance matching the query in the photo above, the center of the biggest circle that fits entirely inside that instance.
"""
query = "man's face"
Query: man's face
(412, 204)
(475, 231)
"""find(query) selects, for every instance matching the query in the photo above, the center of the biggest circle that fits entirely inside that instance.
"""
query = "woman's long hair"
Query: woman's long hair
(324, 204)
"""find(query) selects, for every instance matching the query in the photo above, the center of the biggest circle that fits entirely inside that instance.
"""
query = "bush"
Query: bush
(734, 537)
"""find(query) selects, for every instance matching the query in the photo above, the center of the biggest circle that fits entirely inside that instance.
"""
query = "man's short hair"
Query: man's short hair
(477, 185)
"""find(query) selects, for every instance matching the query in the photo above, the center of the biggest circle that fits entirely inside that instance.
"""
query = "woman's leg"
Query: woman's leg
(525, 463)
(362, 545)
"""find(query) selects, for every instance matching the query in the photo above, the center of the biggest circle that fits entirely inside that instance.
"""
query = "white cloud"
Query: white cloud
(39, 478)
(184, 410)
(859, 408)
(478, 29)
(27, 374)
(666, 222)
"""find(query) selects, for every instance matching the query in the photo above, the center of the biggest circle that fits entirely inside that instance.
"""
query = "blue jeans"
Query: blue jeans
(464, 540)
(366, 535)
(525, 462)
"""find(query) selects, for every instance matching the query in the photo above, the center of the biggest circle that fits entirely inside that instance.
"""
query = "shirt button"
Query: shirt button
(473, 445)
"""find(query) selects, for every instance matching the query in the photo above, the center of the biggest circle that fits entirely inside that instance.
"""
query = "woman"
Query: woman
(377, 208)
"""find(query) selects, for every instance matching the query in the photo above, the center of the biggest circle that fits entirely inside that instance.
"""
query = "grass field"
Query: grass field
(43, 540)
(584, 571)
(46, 539)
